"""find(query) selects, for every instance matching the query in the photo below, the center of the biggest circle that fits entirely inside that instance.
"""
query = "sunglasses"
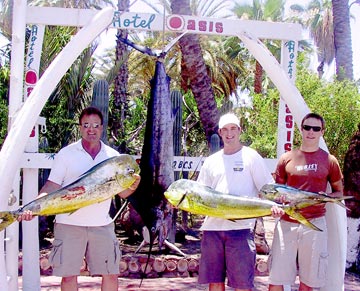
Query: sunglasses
(314, 128)
(88, 125)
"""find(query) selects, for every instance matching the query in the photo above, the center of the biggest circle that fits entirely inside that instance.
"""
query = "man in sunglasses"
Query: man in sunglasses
(89, 231)
(308, 168)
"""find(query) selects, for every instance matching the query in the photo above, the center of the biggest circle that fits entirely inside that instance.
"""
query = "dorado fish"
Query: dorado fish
(98, 184)
(293, 196)
(193, 197)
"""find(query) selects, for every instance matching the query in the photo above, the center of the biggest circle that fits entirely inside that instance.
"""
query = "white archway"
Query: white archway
(23, 117)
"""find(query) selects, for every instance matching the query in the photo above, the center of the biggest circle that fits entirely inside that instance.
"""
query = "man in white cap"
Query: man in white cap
(227, 247)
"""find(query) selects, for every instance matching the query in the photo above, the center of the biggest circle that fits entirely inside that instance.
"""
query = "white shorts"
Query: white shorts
(296, 245)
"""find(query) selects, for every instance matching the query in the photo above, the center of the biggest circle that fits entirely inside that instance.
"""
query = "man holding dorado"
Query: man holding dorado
(308, 168)
(88, 231)
(227, 246)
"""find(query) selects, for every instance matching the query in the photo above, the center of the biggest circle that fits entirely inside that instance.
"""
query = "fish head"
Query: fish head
(175, 196)
(126, 167)
(281, 193)
(269, 191)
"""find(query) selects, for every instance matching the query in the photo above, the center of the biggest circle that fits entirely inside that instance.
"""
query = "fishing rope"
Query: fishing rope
(120, 210)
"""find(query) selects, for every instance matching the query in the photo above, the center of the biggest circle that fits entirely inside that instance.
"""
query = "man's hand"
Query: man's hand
(126, 193)
(26, 215)
(277, 211)
(136, 182)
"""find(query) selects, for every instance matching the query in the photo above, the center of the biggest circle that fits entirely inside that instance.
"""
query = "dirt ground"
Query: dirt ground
(190, 245)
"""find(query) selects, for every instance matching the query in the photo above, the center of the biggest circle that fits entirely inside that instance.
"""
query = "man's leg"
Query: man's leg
(109, 283)
(304, 287)
(276, 288)
(217, 287)
(69, 283)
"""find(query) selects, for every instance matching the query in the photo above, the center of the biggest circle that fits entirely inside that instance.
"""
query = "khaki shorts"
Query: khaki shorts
(297, 245)
(98, 245)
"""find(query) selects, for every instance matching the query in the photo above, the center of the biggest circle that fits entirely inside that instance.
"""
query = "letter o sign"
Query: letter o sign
(175, 22)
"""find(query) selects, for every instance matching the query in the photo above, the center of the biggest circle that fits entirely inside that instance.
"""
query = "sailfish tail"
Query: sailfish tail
(6, 218)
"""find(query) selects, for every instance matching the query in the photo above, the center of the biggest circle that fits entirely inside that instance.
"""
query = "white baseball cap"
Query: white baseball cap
(229, 118)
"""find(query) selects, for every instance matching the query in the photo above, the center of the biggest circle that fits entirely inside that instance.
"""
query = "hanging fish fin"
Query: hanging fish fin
(292, 211)
(138, 47)
(7, 218)
(336, 200)
(72, 212)
(149, 237)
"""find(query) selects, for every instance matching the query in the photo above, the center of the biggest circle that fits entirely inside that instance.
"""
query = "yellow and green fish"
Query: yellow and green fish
(98, 184)
(293, 196)
(195, 198)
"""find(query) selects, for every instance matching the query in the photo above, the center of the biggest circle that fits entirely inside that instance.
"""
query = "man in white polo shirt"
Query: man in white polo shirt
(88, 232)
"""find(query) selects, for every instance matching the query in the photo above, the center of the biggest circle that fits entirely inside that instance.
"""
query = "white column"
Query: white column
(30, 229)
(9, 271)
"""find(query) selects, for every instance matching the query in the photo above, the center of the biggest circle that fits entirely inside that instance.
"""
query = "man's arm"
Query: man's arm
(337, 189)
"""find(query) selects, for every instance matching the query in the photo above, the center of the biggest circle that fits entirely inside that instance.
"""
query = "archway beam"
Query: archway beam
(14, 145)
(174, 23)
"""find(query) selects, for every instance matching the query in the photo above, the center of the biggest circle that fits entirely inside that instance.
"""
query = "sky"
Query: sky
(139, 6)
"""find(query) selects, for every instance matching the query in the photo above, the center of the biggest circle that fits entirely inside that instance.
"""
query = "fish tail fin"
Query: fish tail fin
(292, 211)
(6, 218)
(338, 200)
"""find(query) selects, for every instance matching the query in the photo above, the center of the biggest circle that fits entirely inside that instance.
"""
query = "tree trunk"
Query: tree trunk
(121, 80)
(258, 78)
(199, 80)
(351, 173)
(342, 40)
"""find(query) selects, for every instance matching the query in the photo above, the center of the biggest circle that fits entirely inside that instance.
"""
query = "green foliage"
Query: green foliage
(193, 133)
(134, 125)
(61, 129)
(3, 120)
(338, 102)
(259, 123)
(4, 91)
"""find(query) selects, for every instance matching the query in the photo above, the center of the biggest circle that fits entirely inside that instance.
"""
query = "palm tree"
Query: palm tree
(194, 67)
(73, 91)
(269, 10)
(317, 17)
(4, 90)
(329, 25)
(119, 112)
(5, 18)
(205, 67)
(342, 40)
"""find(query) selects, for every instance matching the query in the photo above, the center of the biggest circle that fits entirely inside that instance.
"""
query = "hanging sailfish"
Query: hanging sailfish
(157, 153)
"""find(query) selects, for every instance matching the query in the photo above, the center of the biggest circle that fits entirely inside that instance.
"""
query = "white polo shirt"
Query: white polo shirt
(71, 162)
